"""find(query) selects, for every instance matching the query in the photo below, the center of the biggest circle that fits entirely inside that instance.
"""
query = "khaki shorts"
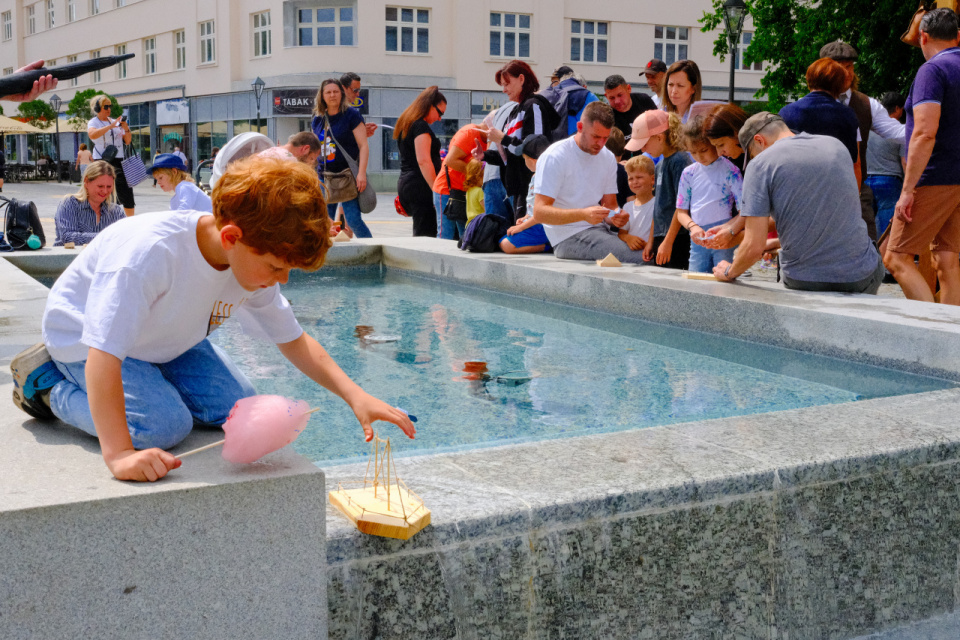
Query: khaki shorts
(936, 222)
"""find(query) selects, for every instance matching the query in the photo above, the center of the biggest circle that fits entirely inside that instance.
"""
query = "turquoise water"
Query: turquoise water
(480, 368)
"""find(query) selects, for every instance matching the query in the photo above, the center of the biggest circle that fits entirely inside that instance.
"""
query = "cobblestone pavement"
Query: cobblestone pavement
(383, 221)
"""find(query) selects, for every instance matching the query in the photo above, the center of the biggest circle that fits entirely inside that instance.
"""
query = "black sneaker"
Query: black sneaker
(34, 374)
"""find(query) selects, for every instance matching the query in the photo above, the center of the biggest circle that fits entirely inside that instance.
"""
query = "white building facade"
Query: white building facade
(190, 82)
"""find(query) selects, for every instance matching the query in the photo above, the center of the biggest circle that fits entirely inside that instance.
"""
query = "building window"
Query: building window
(588, 41)
(73, 81)
(7, 25)
(180, 37)
(149, 56)
(31, 20)
(262, 43)
(326, 27)
(122, 67)
(745, 39)
(121, 3)
(7, 71)
(509, 35)
(95, 76)
(71, 10)
(51, 15)
(670, 43)
(208, 43)
(94, 7)
(408, 30)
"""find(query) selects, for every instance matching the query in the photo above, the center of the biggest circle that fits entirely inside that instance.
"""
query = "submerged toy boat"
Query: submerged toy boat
(382, 506)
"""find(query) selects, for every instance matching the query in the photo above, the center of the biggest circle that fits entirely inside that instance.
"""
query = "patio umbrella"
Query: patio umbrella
(9, 125)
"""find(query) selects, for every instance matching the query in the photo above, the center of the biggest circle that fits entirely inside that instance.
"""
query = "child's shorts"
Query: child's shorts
(530, 237)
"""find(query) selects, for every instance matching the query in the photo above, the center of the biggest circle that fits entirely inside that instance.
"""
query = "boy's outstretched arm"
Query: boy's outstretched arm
(306, 354)
(105, 394)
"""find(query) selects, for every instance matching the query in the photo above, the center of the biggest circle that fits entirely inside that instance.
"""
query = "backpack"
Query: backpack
(483, 233)
(567, 102)
(22, 221)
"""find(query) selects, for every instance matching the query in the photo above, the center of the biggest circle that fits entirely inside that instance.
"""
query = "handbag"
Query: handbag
(456, 207)
(134, 171)
(367, 199)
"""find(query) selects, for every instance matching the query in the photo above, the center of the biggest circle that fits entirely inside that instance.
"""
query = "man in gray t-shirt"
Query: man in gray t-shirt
(807, 185)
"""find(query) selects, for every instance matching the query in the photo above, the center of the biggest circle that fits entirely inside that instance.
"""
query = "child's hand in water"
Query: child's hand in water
(369, 409)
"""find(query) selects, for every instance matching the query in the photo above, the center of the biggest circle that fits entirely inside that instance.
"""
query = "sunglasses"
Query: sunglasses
(439, 113)
(105, 106)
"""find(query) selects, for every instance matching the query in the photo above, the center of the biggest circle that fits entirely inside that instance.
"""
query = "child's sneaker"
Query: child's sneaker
(34, 374)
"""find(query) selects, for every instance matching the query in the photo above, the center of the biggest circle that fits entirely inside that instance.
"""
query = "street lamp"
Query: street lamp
(55, 102)
(258, 86)
(734, 12)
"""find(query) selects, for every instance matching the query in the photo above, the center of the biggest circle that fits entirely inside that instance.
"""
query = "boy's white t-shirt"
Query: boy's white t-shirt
(143, 290)
(710, 192)
(575, 180)
(641, 218)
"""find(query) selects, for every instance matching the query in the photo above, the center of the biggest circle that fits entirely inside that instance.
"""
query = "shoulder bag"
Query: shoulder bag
(134, 170)
(342, 185)
(456, 209)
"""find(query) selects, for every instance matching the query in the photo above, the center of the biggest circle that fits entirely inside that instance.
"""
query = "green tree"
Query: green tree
(38, 113)
(79, 112)
(788, 35)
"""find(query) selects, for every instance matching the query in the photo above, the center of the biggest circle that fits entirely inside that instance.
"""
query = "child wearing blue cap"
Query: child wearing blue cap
(171, 174)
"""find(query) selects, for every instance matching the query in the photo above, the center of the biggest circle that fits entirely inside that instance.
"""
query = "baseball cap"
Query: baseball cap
(534, 146)
(654, 66)
(752, 127)
(646, 125)
(839, 51)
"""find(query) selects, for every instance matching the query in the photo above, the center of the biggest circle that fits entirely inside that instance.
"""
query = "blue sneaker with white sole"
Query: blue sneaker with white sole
(34, 375)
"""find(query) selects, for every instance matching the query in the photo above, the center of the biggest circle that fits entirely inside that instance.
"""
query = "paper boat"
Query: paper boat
(693, 275)
(341, 237)
(381, 505)
(609, 261)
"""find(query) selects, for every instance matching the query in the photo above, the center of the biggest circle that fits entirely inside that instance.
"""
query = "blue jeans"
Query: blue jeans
(163, 401)
(447, 229)
(886, 191)
(703, 260)
(495, 199)
(351, 211)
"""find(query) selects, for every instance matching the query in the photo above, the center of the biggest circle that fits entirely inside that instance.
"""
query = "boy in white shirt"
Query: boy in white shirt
(636, 233)
(127, 323)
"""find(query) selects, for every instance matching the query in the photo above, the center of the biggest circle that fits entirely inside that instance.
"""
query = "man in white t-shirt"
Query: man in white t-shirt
(576, 186)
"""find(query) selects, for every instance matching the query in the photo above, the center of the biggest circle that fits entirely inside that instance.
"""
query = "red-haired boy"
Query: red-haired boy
(127, 323)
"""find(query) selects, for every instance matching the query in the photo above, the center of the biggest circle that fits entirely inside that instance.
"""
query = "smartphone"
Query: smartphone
(123, 118)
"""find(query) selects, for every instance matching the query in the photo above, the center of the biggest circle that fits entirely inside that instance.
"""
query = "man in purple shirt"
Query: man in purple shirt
(929, 207)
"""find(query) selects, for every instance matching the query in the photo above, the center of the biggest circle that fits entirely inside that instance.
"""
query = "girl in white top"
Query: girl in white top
(709, 190)
(104, 132)
(171, 174)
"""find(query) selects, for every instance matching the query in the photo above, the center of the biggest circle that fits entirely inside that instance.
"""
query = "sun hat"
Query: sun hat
(167, 161)
(645, 126)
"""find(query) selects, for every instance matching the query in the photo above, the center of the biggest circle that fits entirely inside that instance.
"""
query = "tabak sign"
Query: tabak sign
(299, 102)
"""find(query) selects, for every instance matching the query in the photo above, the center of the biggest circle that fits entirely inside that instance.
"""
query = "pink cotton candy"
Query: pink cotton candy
(259, 425)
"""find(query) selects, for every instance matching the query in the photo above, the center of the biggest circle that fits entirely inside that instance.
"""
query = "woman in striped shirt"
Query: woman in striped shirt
(92, 209)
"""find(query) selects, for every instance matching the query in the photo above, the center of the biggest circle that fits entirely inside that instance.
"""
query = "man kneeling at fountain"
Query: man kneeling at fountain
(806, 184)
(572, 177)
(127, 323)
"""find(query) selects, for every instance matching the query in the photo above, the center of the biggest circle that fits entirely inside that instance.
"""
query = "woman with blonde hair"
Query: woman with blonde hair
(420, 158)
(108, 136)
(342, 132)
(171, 174)
(90, 210)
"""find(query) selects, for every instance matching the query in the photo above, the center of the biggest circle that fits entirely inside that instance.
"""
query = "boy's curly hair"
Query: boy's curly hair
(279, 206)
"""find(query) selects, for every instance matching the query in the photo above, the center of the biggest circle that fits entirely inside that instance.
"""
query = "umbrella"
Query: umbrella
(9, 125)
